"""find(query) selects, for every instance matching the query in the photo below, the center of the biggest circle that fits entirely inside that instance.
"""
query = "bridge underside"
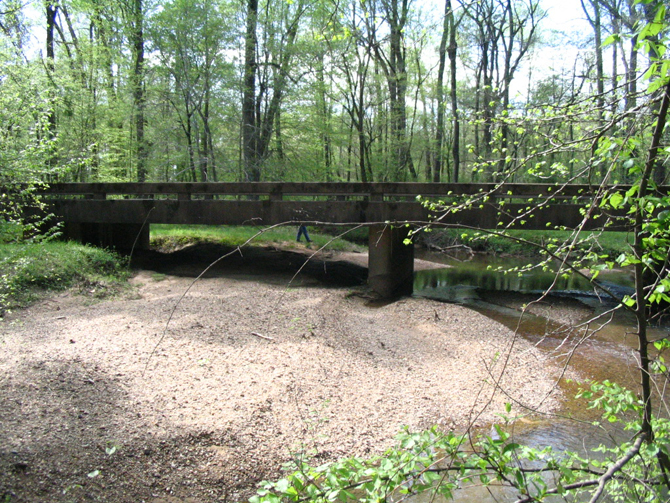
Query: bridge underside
(122, 237)
(390, 260)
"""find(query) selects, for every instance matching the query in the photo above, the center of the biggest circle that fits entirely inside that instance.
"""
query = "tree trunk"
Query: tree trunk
(324, 112)
(51, 12)
(439, 92)
(395, 70)
(249, 120)
(360, 128)
(456, 134)
(595, 21)
(614, 78)
(139, 98)
(398, 90)
(279, 140)
(188, 130)
(207, 136)
(642, 289)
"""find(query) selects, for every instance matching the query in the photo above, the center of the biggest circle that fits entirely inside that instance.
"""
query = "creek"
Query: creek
(607, 353)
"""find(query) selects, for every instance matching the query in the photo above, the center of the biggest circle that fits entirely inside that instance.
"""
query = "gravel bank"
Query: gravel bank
(247, 375)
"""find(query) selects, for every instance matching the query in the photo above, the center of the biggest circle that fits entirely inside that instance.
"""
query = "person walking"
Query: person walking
(302, 231)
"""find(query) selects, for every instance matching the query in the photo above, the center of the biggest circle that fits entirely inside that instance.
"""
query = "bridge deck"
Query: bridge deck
(268, 203)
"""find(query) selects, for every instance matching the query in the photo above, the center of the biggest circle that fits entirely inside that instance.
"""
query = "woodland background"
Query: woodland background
(326, 90)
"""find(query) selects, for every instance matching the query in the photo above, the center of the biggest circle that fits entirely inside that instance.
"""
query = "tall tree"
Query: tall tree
(393, 62)
(352, 56)
(505, 30)
(134, 12)
(250, 133)
(188, 35)
(595, 19)
(51, 9)
(456, 133)
(266, 76)
(448, 46)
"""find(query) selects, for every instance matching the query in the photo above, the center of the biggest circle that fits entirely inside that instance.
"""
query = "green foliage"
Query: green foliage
(10, 233)
(27, 150)
(610, 244)
(406, 468)
(436, 463)
(29, 269)
(25, 143)
(23, 215)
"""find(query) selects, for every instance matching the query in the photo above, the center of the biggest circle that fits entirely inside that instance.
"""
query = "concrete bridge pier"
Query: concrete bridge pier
(120, 237)
(390, 261)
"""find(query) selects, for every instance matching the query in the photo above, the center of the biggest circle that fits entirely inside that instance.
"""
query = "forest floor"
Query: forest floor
(178, 392)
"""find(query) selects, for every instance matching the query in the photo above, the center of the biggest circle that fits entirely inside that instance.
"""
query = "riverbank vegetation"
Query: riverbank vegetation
(170, 237)
(31, 270)
(610, 244)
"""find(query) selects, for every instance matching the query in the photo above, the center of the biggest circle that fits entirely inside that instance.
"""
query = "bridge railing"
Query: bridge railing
(340, 190)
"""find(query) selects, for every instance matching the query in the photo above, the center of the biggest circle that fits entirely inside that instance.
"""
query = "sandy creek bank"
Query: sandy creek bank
(249, 372)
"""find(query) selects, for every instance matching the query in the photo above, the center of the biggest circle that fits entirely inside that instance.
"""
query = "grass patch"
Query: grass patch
(611, 244)
(10, 232)
(31, 269)
(168, 237)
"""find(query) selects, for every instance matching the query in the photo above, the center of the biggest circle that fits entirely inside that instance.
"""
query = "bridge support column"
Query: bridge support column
(390, 261)
(121, 237)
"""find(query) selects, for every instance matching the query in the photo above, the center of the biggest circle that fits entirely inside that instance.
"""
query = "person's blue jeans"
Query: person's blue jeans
(302, 231)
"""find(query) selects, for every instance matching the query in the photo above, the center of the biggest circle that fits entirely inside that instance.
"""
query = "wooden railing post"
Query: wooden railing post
(376, 195)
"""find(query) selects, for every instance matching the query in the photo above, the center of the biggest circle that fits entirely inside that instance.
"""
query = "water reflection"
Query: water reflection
(481, 273)
(607, 355)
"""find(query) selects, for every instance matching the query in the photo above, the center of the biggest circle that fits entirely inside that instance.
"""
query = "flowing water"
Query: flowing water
(607, 354)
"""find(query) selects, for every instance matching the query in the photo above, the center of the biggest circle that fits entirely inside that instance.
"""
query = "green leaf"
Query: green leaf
(615, 200)
(510, 447)
(611, 40)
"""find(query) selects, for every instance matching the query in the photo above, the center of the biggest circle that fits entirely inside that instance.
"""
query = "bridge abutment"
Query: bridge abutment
(390, 261)
(120, 237)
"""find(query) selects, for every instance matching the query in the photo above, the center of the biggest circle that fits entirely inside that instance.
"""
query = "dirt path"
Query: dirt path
(248, 375)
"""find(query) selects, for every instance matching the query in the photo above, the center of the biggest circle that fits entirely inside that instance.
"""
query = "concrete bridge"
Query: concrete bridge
(120, 214)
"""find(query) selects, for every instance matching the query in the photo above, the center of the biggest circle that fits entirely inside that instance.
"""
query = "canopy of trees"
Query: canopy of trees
(360, 90)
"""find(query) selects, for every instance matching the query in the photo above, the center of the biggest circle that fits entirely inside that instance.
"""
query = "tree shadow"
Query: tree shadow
(70, 433)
